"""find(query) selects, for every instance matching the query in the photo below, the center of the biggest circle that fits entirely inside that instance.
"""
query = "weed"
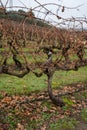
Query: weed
(1, 96)
(47, 104)
(84, 114)
(64, 124)
(11, 120)
(46, 116)
(68, 101)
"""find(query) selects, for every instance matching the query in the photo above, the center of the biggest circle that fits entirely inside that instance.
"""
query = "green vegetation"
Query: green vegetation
(30, 82)
(82, 96)
(12, 120)
(46, 115)
(64, 124)
(14, 85)
(19, 15)
(63, 78)
(84, 114)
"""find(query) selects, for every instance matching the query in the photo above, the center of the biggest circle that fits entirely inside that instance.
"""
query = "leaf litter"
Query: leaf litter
(23, 110)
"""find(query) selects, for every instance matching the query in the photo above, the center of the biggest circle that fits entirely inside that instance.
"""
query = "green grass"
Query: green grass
(14, 85)
(12, 121)
(84, 114)
(69, 77)
(30, 82)
(81, 96)
(64, 124)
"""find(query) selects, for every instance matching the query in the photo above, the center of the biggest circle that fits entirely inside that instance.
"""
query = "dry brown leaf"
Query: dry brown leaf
(20, 127)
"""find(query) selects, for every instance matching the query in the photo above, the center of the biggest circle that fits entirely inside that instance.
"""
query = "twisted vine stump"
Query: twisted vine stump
(56, 100)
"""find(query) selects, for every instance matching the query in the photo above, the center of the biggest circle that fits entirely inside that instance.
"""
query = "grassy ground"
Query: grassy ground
(29, 83)
(17, 113)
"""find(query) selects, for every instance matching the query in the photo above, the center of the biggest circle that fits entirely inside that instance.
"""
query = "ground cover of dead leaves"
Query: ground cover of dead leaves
(20, 110)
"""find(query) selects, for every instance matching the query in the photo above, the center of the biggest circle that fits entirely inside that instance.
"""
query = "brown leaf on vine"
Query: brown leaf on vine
(63, 9)
(58, 17)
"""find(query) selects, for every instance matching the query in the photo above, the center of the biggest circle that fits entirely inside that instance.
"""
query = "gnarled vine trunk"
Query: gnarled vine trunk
(56, 100)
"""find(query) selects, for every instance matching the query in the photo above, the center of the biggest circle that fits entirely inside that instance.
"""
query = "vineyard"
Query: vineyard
(31, 47)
